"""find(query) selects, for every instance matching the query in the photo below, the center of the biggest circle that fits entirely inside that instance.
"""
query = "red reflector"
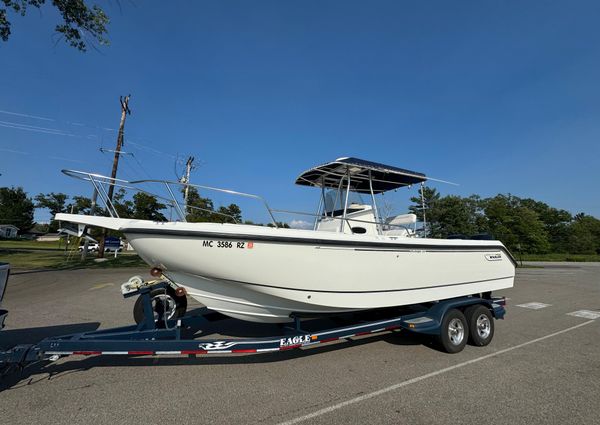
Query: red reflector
(289, 347)
(328, 340)
(140, 353)
(243, 351)
(391, 328)
(156, 272)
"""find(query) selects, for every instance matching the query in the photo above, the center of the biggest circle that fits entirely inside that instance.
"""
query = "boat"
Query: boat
(350, 260)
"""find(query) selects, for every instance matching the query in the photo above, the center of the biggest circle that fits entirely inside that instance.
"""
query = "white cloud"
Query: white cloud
(300, 224)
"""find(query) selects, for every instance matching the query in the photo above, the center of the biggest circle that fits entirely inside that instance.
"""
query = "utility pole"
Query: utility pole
(124, 112)
(188, 169)
(423, 209)
(86, 243)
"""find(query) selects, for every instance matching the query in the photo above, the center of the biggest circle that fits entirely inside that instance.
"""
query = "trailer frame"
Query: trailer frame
(167, 337)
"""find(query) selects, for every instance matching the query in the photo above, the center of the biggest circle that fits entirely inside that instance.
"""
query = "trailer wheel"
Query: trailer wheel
(163, 304)
(481, 325)
(454, 331)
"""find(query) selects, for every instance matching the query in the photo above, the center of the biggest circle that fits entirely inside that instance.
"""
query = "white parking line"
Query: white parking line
(423, 377)
(534, 305)
(586, 314)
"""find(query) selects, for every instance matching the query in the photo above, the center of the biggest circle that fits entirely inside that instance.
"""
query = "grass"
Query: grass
(12, 243)
(34, 255)
(559, 257)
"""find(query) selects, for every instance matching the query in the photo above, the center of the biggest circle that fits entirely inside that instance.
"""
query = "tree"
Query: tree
(79, 21)
(556, 223)
(584, 235)
(454, 215)
(517, 226)
(231, 213)
(80, 205)
(123, 206)
(16, 208)
(428, 197)
(147, 207)
(55, 202)
(280, 224)
(202, 210)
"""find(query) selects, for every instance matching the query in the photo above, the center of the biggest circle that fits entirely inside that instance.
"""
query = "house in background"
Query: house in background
(8, 231)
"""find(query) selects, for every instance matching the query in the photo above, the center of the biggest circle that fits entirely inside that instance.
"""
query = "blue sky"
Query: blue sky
(497, 96)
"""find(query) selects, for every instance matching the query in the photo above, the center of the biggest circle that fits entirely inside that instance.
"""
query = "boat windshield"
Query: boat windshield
(335, 199)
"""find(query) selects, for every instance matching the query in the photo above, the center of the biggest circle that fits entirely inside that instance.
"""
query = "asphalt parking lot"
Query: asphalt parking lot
(543, 365)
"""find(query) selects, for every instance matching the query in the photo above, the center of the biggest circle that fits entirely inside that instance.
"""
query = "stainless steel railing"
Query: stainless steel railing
(101, 183)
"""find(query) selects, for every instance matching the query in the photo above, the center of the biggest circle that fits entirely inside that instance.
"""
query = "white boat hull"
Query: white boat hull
(265, 275)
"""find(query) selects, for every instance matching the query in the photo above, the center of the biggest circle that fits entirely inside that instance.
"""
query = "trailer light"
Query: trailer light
(411, 325)
(180, 292)
(156, 272)
(313, 337)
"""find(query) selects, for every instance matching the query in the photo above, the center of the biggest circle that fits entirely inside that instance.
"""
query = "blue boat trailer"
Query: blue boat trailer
(154, 336)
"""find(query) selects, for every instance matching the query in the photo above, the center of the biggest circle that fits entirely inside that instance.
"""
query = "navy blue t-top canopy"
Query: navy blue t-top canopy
(384, 177)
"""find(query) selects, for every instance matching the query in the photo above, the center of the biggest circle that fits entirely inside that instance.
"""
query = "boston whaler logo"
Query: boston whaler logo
(219, 345)
(294, 340)
(493, 257)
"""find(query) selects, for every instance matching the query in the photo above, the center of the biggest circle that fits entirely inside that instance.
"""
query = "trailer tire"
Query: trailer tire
(158, 296)
(454, 331)
(481, 325)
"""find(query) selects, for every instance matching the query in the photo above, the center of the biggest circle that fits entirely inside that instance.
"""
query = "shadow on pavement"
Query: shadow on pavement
(10, 338)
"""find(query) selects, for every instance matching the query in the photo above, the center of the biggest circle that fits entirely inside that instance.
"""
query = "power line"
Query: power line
(100, 129)
(26, 115)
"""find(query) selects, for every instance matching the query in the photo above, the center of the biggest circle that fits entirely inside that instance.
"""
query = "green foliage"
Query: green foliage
(280, 224)
(80, 205)
(453, 215)
(516, 225)
(584, 235)
(430, 196)
(16, 208)
(523, 225)
(202, 210)
(55, 202)
(79, 22)
(142, 206)
(123, 206)
(147, 207)
(556, 223)
(232, 211)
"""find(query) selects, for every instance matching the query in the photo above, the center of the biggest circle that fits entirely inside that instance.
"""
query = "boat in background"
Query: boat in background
(350, 260)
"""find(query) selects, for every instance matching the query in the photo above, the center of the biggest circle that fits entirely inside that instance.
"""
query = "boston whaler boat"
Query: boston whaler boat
(351, 260)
